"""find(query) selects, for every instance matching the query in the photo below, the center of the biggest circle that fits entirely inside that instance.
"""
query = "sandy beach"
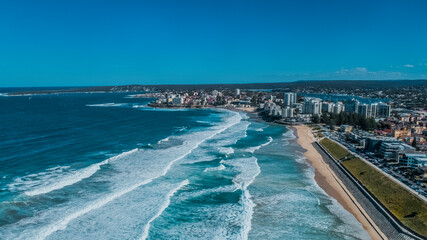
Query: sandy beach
(331, 184)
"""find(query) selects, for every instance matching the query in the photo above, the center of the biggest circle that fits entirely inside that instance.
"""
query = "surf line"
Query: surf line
(76, 176)
(103, 201)
(248, 203)
(253, 149)
(163, 208)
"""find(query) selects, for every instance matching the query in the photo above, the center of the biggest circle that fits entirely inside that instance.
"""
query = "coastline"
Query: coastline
(331, 184)
(325, 177)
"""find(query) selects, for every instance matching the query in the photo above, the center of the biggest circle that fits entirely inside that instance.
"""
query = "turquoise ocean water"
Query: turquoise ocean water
(106, 166)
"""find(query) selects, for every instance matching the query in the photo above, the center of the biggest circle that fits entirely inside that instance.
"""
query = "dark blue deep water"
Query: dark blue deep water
(106, 166)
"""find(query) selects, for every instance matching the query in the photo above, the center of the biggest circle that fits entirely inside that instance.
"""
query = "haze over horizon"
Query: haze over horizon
(76, 43)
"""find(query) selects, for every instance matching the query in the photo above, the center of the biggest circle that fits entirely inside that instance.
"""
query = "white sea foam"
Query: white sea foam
(353, 226)
(226, 216)
(289, 135)
(249, 170)
(62, 224)
(226, 150)
(253, 149)
(221, 189)
(148, 108)
(233, 135)
(261, 129)
(129, 173)
(214, 221)
(219, 168)
(314, 195)
(248, 203)
(220, 143)
(139, 106)
(198, 157)
(356, 229)
(163, 140)
(248, 212)
(57, 178)
(182, 129)
(163, 208)
(35, 179)
(246, 131)
(203, 122)
(234, 120)
(65, 180)
(106, 105)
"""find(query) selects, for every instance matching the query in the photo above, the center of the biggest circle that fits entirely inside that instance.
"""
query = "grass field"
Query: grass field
(334, 149)
(410, 210)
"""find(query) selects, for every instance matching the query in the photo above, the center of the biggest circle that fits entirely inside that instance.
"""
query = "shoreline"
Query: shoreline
(331, 184)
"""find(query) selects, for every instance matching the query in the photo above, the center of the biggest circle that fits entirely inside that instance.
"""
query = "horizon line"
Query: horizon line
(205, 84)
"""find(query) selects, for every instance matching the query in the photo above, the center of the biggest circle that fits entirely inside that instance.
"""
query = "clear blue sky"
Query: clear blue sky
(69, 43)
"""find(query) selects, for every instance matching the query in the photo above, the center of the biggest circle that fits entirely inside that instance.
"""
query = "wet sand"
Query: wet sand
(331, 184)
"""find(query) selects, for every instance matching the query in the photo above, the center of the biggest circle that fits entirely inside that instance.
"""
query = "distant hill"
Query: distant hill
(338, 84)
(332, 84)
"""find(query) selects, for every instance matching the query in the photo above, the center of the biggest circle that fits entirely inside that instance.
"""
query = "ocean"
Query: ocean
(106, 166)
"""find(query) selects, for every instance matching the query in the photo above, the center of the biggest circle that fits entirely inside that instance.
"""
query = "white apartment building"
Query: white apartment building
(312, 106)
(327, 107)
(383, 110)
(337, 108)
(287, 112)
(290, 98)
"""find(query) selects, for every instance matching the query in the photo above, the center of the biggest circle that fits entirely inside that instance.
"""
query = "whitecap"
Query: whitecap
(289, 135)
(253, 149)
(130, 173)
(163, 140)
(163, 208)
(219, 168)
(249, 170)
(139, 106)
(56, 178)
(226, 150)
(106, 105)
(61, 224)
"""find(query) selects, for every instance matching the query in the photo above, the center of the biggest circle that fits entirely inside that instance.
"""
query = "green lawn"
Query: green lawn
(334, 149)
(410, 210)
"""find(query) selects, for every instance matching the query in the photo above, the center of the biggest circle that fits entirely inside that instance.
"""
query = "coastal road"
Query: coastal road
(386, 226)
(415, 193)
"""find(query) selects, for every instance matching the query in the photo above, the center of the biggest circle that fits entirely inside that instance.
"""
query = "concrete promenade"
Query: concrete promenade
(389, 226)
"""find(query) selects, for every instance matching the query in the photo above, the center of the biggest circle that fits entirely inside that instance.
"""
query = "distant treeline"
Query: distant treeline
(336, 84)
(352, 119)
(332, 84)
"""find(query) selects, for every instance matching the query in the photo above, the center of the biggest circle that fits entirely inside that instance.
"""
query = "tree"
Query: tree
(371, 124)
(325, 118)
(254, 101)
(414, 143)
(332, 123)
(316, 118)
(341, 118)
